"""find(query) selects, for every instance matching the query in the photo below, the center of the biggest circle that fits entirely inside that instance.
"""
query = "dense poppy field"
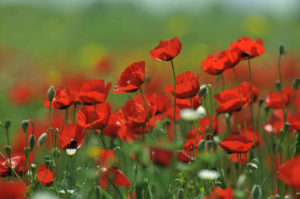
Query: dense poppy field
(190, 139)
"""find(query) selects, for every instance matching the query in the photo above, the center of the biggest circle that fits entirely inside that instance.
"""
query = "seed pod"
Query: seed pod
(7, 149)
(31, 142)
(51, 93)
(42, 139)
(256, 192)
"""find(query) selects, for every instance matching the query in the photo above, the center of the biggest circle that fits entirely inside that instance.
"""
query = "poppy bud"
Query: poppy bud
(26, 151)
(201, 146)
(282, 50)
(209, 145)
(98, 191)
(7, 124)
(256, 192)
(261, 101)
(278, 84)
(267, 109)
(51, 93)
(251, 166)
(296, 83)
(42, 139)
(31, 142)
(33, 168)
(180, 194)
(277, 196)
(203, 90)
(286, 126)
(7, 149)
(25, 124)
(251, 154)
(147, 79)
(56, 152)
(241, 182)
(255, 161)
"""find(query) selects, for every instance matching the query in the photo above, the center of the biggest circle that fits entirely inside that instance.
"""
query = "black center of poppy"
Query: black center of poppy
(73, 144)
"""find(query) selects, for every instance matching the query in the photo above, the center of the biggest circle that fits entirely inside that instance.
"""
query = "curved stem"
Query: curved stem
(252, 99)
(244, 116)
(174, 79)
(148, 117)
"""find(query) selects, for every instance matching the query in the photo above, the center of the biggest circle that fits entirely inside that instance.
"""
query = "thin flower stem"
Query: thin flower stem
(252, 98)
(11, 168)
(148, 117)
(174, 79)
(210, 115)
(66, 115)
(243, 110)
(7, 135)
(281, 90)
(102, 139)
(74, 113)
(289, 106)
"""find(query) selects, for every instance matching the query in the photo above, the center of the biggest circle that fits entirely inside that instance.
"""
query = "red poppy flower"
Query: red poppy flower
(88, 116)
(166, 50)
(187, 85)
(44, 175)
(93, 91)
(216, 64)
(107, 158)
(114, 176)
(63, 99)
(186, 103)
(219, 193)
(245, 88)
(17, 162)
(248, 47)
(134, 112)
(236, 144)
(71, 136)
(294, 121)
(250, 133)
(275, 123)
(160, 101)
(12, 190)
(131, 78)
(229, 101)
(182, 156)
(161, 156)
(289, 172)
(273, 99)
(170, 113)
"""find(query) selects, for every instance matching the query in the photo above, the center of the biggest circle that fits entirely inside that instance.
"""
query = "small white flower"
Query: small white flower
(208, 174)
(192, 115)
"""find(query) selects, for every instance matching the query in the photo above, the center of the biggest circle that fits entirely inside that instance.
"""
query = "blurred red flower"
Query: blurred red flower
(186, 103)
(44, 175)
(21, 93)
(294, 121)
(160, 101)
(274, 100)
(289, 172)
(217, 63)
(236, 144)
(275, 123)
(62, 100)
(71, 136)
(114, 176)
(88, 116)
(131, 78)
(161, 156)
(166, 50)
(12, 190)
(248, 47)
(219, 193)
(107, 158)
(93, 91)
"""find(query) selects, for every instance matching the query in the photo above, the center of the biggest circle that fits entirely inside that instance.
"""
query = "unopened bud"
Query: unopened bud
(296, 83)
(261, 101)
(209, 145)
(201, 146)
(282, 50)
(203, 90)
(278, 84)
(56, 152)
(256, 192)
(51, 93)
(286, 126)
(7, 124)
(42, 139)
(25, 124)
(180, 194)
(7, 149)
(31, 142)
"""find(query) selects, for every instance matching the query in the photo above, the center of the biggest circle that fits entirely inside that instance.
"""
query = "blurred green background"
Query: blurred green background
(43, 41)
